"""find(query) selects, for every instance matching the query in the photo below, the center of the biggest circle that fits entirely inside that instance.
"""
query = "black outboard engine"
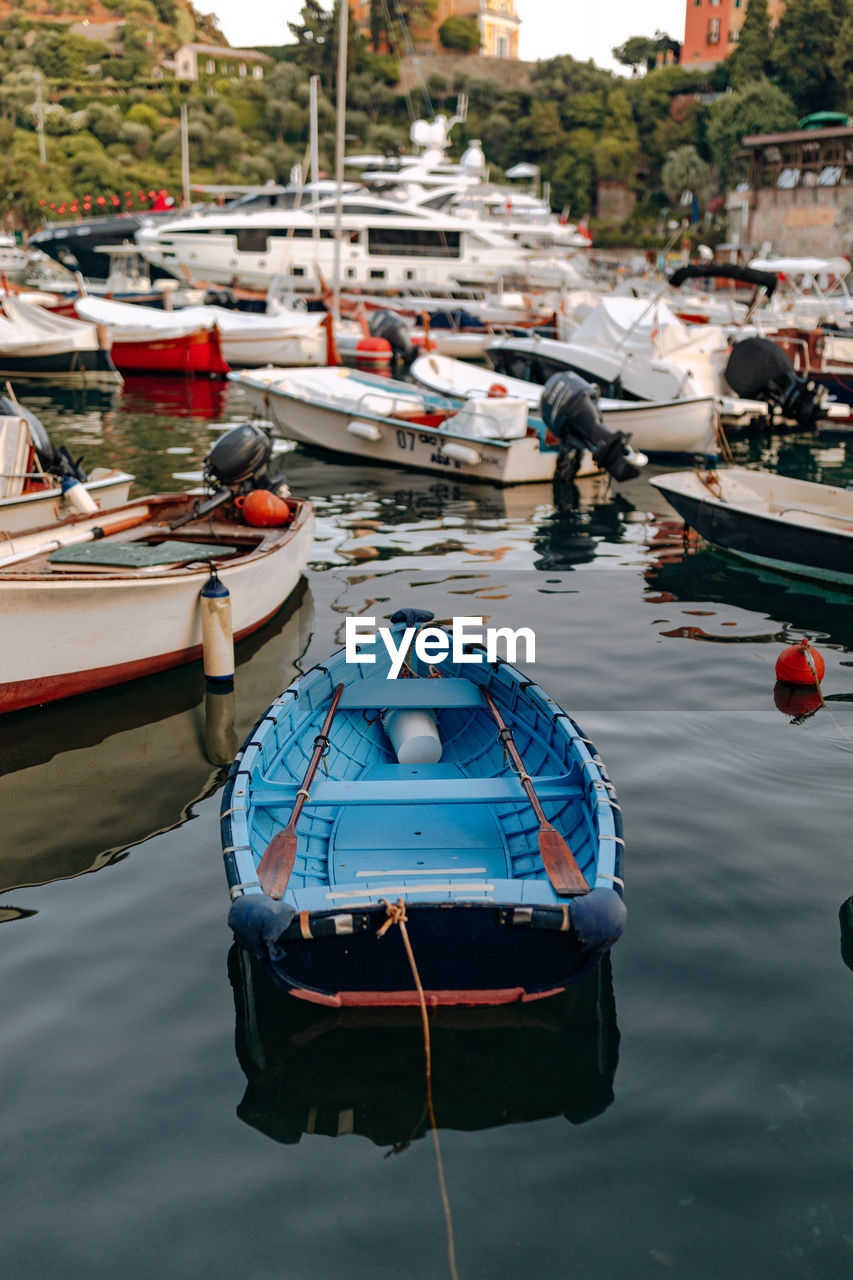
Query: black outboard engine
(223, 297)
(760, 370)
(236, 464)
(569, 409)
(393, 328)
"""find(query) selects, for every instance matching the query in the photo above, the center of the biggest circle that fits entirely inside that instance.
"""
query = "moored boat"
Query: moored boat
(36, 344)
(794, 526)
(478, 438)
(506, 859)
(99, 599)
(683, 425)
(146, 340)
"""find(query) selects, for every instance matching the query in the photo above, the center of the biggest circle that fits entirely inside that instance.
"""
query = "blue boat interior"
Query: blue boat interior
(460, 830)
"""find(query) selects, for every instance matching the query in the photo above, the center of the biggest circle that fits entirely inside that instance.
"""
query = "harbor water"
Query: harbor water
(686, 1112)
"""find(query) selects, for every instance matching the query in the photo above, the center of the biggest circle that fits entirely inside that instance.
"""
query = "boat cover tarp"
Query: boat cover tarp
(132, 322)
(27, 330)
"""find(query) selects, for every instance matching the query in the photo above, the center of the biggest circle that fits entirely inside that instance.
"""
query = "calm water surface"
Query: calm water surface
(686, 1113)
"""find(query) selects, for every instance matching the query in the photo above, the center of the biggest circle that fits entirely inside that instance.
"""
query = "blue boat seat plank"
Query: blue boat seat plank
(377, 692)
(345, 897)
(416, 836)
(503, 790)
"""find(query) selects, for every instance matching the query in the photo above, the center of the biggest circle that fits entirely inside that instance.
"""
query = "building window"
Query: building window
(258, 73)
(733, 35)
(501, 47)
(210, 66)
(714, 31)
(242, 68)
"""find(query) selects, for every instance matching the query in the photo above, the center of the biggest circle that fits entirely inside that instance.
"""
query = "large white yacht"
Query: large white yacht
(415, 222)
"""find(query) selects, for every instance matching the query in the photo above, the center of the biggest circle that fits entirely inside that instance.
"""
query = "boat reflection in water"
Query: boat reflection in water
(82, 782)
(173, 397)
(340, 1071)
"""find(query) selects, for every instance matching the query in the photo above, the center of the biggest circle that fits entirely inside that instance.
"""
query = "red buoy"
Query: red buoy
(794, 667)
(496, 391)
(373, 353)
(797, 702)
(262, 508)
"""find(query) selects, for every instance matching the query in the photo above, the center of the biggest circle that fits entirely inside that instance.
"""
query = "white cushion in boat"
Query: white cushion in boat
(490, 418)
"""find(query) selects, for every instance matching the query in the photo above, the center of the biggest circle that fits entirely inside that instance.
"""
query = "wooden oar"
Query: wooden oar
(30, 546)
(280, 854)
(557, 858)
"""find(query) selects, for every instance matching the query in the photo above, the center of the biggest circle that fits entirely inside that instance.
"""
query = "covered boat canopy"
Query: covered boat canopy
(29, 330)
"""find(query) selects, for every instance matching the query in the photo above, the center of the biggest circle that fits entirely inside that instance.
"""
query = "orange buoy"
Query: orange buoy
(496, 391)
(262, 508)
(796, 702)
(800, 664)
(373, 353)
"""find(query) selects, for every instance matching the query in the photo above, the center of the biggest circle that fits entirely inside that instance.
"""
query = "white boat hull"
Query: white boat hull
(676, 426)
(30, 510)
(70, 634)
(395, 441)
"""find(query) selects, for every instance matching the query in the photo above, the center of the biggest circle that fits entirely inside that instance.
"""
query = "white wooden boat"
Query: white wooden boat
(794, 526)
(34, 344)
(70, 623)
(686, 425)
(247, 340)
(347, 411)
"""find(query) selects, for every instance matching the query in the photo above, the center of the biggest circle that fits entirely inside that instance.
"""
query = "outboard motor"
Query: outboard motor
(393, 328)
(236, 465)
(760, 370)
(569, 409)
(220, 298)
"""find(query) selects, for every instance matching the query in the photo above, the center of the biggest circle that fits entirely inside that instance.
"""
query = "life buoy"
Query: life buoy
(496, 391)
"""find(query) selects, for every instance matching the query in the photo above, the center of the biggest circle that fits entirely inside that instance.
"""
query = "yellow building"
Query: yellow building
(497, 22)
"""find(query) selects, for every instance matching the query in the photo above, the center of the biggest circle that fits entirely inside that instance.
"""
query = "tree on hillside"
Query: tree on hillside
(460, 34)
(641, 53)
(803, 46)
(760, 108)
(317, 42)
(684, 170)
(751, 57)
(842, 63)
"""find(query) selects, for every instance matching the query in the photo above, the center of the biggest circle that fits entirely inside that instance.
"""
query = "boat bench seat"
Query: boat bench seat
(506, 789)
(356, 894)
(377, 692)
(803, 516)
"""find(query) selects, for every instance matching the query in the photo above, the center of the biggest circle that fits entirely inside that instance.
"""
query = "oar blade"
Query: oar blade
(557, 858)
(277, 862)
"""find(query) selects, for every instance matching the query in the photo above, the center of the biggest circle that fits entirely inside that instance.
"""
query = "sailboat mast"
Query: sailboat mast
(343, 10)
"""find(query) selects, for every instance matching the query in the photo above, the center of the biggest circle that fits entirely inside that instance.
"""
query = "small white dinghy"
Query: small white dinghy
(794, 526)
(482, 438)
(685, 425)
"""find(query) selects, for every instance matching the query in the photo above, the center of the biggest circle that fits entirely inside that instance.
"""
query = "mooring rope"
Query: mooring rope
(396, 912)
(810, 660)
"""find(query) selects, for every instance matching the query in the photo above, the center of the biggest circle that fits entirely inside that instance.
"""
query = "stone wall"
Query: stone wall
(816, 221)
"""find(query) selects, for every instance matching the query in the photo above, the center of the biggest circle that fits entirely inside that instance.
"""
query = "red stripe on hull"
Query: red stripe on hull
(195, 353)
(374, 999)
(18, 694)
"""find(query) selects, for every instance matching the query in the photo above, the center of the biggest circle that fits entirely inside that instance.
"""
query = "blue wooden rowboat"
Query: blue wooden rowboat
(456, 841)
